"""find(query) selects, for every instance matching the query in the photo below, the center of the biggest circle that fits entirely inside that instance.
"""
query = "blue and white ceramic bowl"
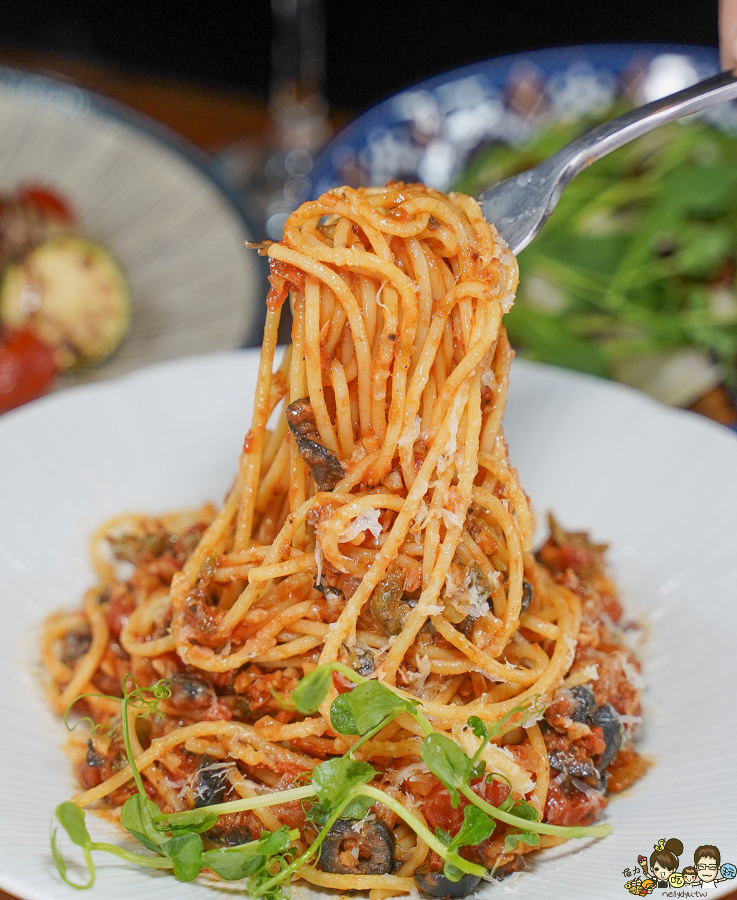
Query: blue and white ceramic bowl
(428, 132)
(150, 197)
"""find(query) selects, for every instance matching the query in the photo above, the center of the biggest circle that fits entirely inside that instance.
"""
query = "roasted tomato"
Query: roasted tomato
(50, 204)
(27, 368)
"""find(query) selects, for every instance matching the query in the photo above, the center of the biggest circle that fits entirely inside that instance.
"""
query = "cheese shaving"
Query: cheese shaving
(410, 435)
(365, 521)
(318, 560)
(631, 674)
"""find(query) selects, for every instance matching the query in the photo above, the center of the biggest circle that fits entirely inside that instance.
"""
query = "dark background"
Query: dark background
(373, 47)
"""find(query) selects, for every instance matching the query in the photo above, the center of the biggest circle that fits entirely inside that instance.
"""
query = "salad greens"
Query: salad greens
(339, 788)
(633, 276)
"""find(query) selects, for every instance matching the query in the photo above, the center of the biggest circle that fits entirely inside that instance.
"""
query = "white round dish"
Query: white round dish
(659, 484)
(154, 201)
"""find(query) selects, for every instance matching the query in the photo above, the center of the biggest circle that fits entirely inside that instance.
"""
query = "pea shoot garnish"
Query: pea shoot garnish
(339, 788)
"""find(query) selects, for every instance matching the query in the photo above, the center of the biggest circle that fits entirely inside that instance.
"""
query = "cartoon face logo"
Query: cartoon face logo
(707, 859)
(661, 870)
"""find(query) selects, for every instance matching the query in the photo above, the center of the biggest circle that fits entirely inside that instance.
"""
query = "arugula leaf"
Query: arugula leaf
(445, 759)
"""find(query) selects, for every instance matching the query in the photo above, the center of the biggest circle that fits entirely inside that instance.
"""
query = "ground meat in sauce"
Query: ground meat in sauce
(323, 463)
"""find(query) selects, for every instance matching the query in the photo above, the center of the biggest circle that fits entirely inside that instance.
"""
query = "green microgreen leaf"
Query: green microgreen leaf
(443, 836)
(185, 853)
(71, 818)
(367, 706)
(372, 702)
(508, 801)
(533, 705)
(445, 759)
(477, 726)
(525, 810)
(196, 826)
(478, 769)
(526, 823)
(318, 813)
(314, 687)
(477, 826)
(527, 837)
(334, 778)
(244, 861)
(341, 715)
(312, 690)
(137, 817)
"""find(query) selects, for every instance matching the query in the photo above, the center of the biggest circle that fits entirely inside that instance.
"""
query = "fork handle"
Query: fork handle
(613, 134)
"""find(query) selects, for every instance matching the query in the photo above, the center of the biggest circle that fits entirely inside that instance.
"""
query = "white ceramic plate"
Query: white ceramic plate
(661, 485)
(152, 199)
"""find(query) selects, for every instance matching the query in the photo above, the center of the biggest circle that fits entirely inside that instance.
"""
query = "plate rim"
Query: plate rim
(238, 358)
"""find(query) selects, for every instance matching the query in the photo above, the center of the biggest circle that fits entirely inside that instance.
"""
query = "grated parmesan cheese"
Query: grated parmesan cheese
(451, 518)
(410, 435)
(318, 560)
(632, 675)
(452, 443)
(365, 521)
(421, 520)
(378, 297)
(507, 302)
(488, 379)
(409, 772)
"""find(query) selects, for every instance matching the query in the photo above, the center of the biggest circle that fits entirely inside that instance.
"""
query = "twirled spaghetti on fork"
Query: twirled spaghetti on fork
(375, 521)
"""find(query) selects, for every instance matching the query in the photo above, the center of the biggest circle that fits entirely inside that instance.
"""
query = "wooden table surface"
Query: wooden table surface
(212, 119)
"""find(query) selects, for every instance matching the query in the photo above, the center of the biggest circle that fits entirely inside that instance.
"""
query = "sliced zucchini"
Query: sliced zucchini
(72, 293)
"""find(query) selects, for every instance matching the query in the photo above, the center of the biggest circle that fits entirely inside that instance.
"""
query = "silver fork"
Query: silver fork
(520, 206)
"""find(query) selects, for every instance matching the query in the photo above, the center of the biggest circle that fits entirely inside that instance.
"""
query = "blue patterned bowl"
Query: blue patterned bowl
(429, 131)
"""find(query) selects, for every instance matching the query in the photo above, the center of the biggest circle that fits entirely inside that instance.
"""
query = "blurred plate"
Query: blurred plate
(154, 200)
(430, 130)
(658, 483)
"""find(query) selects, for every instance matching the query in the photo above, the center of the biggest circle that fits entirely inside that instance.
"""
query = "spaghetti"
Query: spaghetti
(375, 522)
